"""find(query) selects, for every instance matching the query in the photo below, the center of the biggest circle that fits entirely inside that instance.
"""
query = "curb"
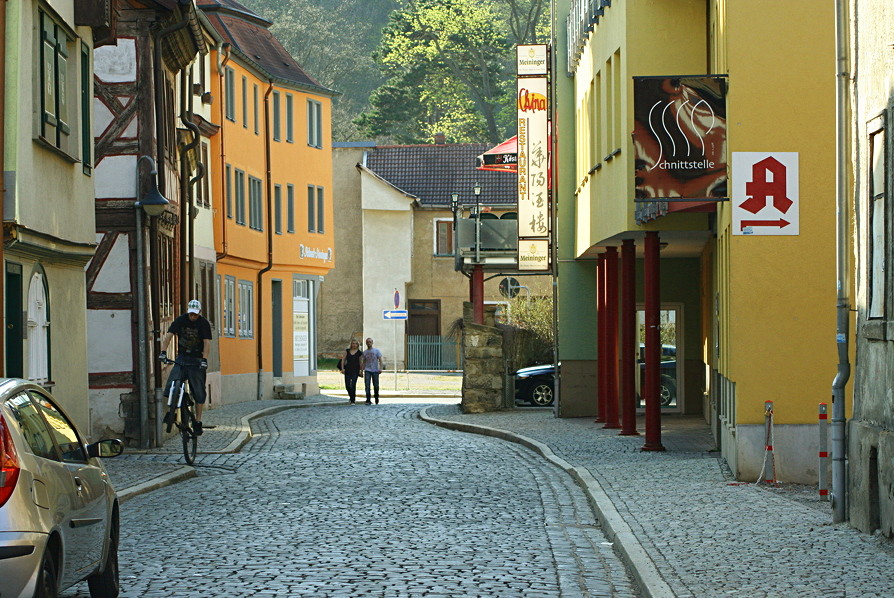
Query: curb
(642, 566)
(183, 473)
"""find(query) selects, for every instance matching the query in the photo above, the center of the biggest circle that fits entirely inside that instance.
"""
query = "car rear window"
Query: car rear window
(32, 427)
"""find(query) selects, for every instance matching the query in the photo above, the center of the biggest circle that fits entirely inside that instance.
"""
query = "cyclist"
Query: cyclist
(193, 346)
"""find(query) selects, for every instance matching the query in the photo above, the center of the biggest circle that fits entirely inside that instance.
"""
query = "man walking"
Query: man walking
(372, 364)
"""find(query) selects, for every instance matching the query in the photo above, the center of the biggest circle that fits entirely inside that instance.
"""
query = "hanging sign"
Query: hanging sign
(533, 187)
(765, 193)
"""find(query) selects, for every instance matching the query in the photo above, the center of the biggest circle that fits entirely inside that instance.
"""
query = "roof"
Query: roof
(434, 172)
(249, 36)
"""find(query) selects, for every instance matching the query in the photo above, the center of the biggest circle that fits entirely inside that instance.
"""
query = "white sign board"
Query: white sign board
(533, 254)
(394, 314)
(532, 60)
(765, 193)
(533, 163)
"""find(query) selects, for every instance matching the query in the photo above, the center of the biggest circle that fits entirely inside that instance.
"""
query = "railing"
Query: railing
(495, 234)
(431, 353)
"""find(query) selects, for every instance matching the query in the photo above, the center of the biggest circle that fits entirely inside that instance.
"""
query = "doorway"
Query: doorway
(670, 370)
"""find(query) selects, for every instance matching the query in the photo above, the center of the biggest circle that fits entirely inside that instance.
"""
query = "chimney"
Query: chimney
(440, 139)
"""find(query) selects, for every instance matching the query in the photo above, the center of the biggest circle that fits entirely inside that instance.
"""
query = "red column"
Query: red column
(653, 343)
(628, 338)
(478, 294)
(611, 339)
(600, 339)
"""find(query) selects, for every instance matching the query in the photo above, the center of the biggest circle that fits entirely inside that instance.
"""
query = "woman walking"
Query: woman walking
(349, 365)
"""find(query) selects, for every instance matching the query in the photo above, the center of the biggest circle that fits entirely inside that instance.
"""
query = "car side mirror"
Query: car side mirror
(105, 449)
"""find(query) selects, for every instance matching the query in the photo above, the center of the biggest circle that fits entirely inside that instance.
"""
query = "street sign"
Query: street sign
(765, 193)
(396, 299)
(509, 287)
(394, 314)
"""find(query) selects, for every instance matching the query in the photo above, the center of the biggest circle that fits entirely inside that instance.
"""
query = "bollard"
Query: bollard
(823, 451)
(768, 451)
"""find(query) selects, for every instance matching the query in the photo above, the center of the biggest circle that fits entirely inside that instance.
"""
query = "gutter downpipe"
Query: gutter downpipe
(2, 166)
(187, 242)
(842, 334)
(267, 170)
(161, 160)
(225, 47)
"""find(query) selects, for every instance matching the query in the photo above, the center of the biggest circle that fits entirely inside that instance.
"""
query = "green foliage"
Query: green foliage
(528, 331)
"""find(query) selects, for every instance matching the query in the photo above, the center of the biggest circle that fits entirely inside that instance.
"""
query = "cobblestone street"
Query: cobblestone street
(367, 501)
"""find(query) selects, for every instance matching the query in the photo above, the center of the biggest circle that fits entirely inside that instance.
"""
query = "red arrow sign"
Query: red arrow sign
(781, 223)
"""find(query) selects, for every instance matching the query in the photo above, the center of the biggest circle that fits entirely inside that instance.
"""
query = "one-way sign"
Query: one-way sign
(394, 314)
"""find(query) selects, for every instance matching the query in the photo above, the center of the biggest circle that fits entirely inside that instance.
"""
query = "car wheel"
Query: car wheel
(542, 395)
(667, 393)
(47, 583)
(105, 584)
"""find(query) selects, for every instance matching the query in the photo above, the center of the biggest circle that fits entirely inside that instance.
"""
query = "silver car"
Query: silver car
(58, 510)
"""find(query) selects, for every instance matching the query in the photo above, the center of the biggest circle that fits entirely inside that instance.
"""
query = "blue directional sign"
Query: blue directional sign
(394, 314)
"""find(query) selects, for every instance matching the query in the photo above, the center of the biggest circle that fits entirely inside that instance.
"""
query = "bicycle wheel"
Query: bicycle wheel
(190, 440)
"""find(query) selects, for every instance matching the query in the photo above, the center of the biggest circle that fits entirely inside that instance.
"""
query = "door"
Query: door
(15, 363)
(424, 317)
(670, 370)
(276, 336)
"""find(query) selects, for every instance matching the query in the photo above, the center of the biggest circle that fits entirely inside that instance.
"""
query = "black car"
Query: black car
(536, 385)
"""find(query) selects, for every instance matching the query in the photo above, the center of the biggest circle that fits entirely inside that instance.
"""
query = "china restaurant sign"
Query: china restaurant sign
(533, 154)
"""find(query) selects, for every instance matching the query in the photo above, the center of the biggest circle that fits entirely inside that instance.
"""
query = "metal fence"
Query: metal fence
(432, 353)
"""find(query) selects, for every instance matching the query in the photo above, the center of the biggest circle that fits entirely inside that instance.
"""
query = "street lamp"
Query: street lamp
(477, 191)
(153, 203)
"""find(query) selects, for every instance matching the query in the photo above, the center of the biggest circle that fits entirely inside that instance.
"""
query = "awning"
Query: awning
(502, 158)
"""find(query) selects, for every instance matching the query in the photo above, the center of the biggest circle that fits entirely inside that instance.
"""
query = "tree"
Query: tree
(453, 57)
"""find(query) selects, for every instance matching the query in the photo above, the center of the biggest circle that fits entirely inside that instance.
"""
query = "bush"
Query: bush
(528, 331)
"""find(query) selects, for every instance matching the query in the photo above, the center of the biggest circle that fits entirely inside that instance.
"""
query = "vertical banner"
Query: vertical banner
(533, 188)
(679, 138)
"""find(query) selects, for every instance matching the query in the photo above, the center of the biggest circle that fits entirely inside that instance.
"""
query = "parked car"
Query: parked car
(667, 376)
(58, 510)
(536, 385)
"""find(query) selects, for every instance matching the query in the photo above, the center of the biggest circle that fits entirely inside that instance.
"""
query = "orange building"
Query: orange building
(272, 184)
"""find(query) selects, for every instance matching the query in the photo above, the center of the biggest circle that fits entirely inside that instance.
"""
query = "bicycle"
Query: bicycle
(181, 404)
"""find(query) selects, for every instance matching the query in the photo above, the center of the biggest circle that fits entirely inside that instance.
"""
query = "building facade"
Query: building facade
(396, 236)
(748, 344)
(49, 179)
(273, 229)
(869, 432)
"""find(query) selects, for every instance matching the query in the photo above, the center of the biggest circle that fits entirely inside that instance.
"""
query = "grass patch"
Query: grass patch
(327, 363)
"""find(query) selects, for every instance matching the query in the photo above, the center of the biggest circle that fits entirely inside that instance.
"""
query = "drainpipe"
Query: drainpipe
(187, 238)
(225, 48)
(2, 165)
(839, 446)
(160, 136)
(268, 140)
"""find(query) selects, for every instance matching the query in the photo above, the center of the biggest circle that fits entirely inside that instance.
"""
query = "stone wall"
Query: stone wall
(483, 363)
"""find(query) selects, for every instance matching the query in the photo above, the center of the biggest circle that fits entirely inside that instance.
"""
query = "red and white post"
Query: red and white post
(823, 451)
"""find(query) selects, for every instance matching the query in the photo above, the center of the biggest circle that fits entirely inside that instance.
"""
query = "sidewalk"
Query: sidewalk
(679, 520)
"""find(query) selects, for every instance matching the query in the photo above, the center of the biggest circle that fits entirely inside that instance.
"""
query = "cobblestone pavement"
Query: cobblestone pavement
(359, 500)
(705, 534)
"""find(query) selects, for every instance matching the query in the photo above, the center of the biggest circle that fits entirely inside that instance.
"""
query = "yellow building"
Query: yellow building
(274, 224)
(746, 299)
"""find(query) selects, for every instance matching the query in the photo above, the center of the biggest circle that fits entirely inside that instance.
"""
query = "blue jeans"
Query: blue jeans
(374, 376)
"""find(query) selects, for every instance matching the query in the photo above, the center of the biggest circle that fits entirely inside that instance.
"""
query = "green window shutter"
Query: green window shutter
(48, 79)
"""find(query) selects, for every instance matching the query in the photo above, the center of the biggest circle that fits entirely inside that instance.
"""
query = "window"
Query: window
(204, 288)
(229, 301)
(38, 321)
(277, 209)
(256, 110)
(276, 122)
(290, 209)
(166, 276)
(86, 110)
(255, 196)
(443, 237)
(205, 185)
(33, 429)
(240, 197)
(230, 93)
(290, 119)
(314, 123)
(246, 309)
(228, 189)
(877, 237)
(55, 83)
(62, 430)
(320, 211)
(244, 102)
(311, 208)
